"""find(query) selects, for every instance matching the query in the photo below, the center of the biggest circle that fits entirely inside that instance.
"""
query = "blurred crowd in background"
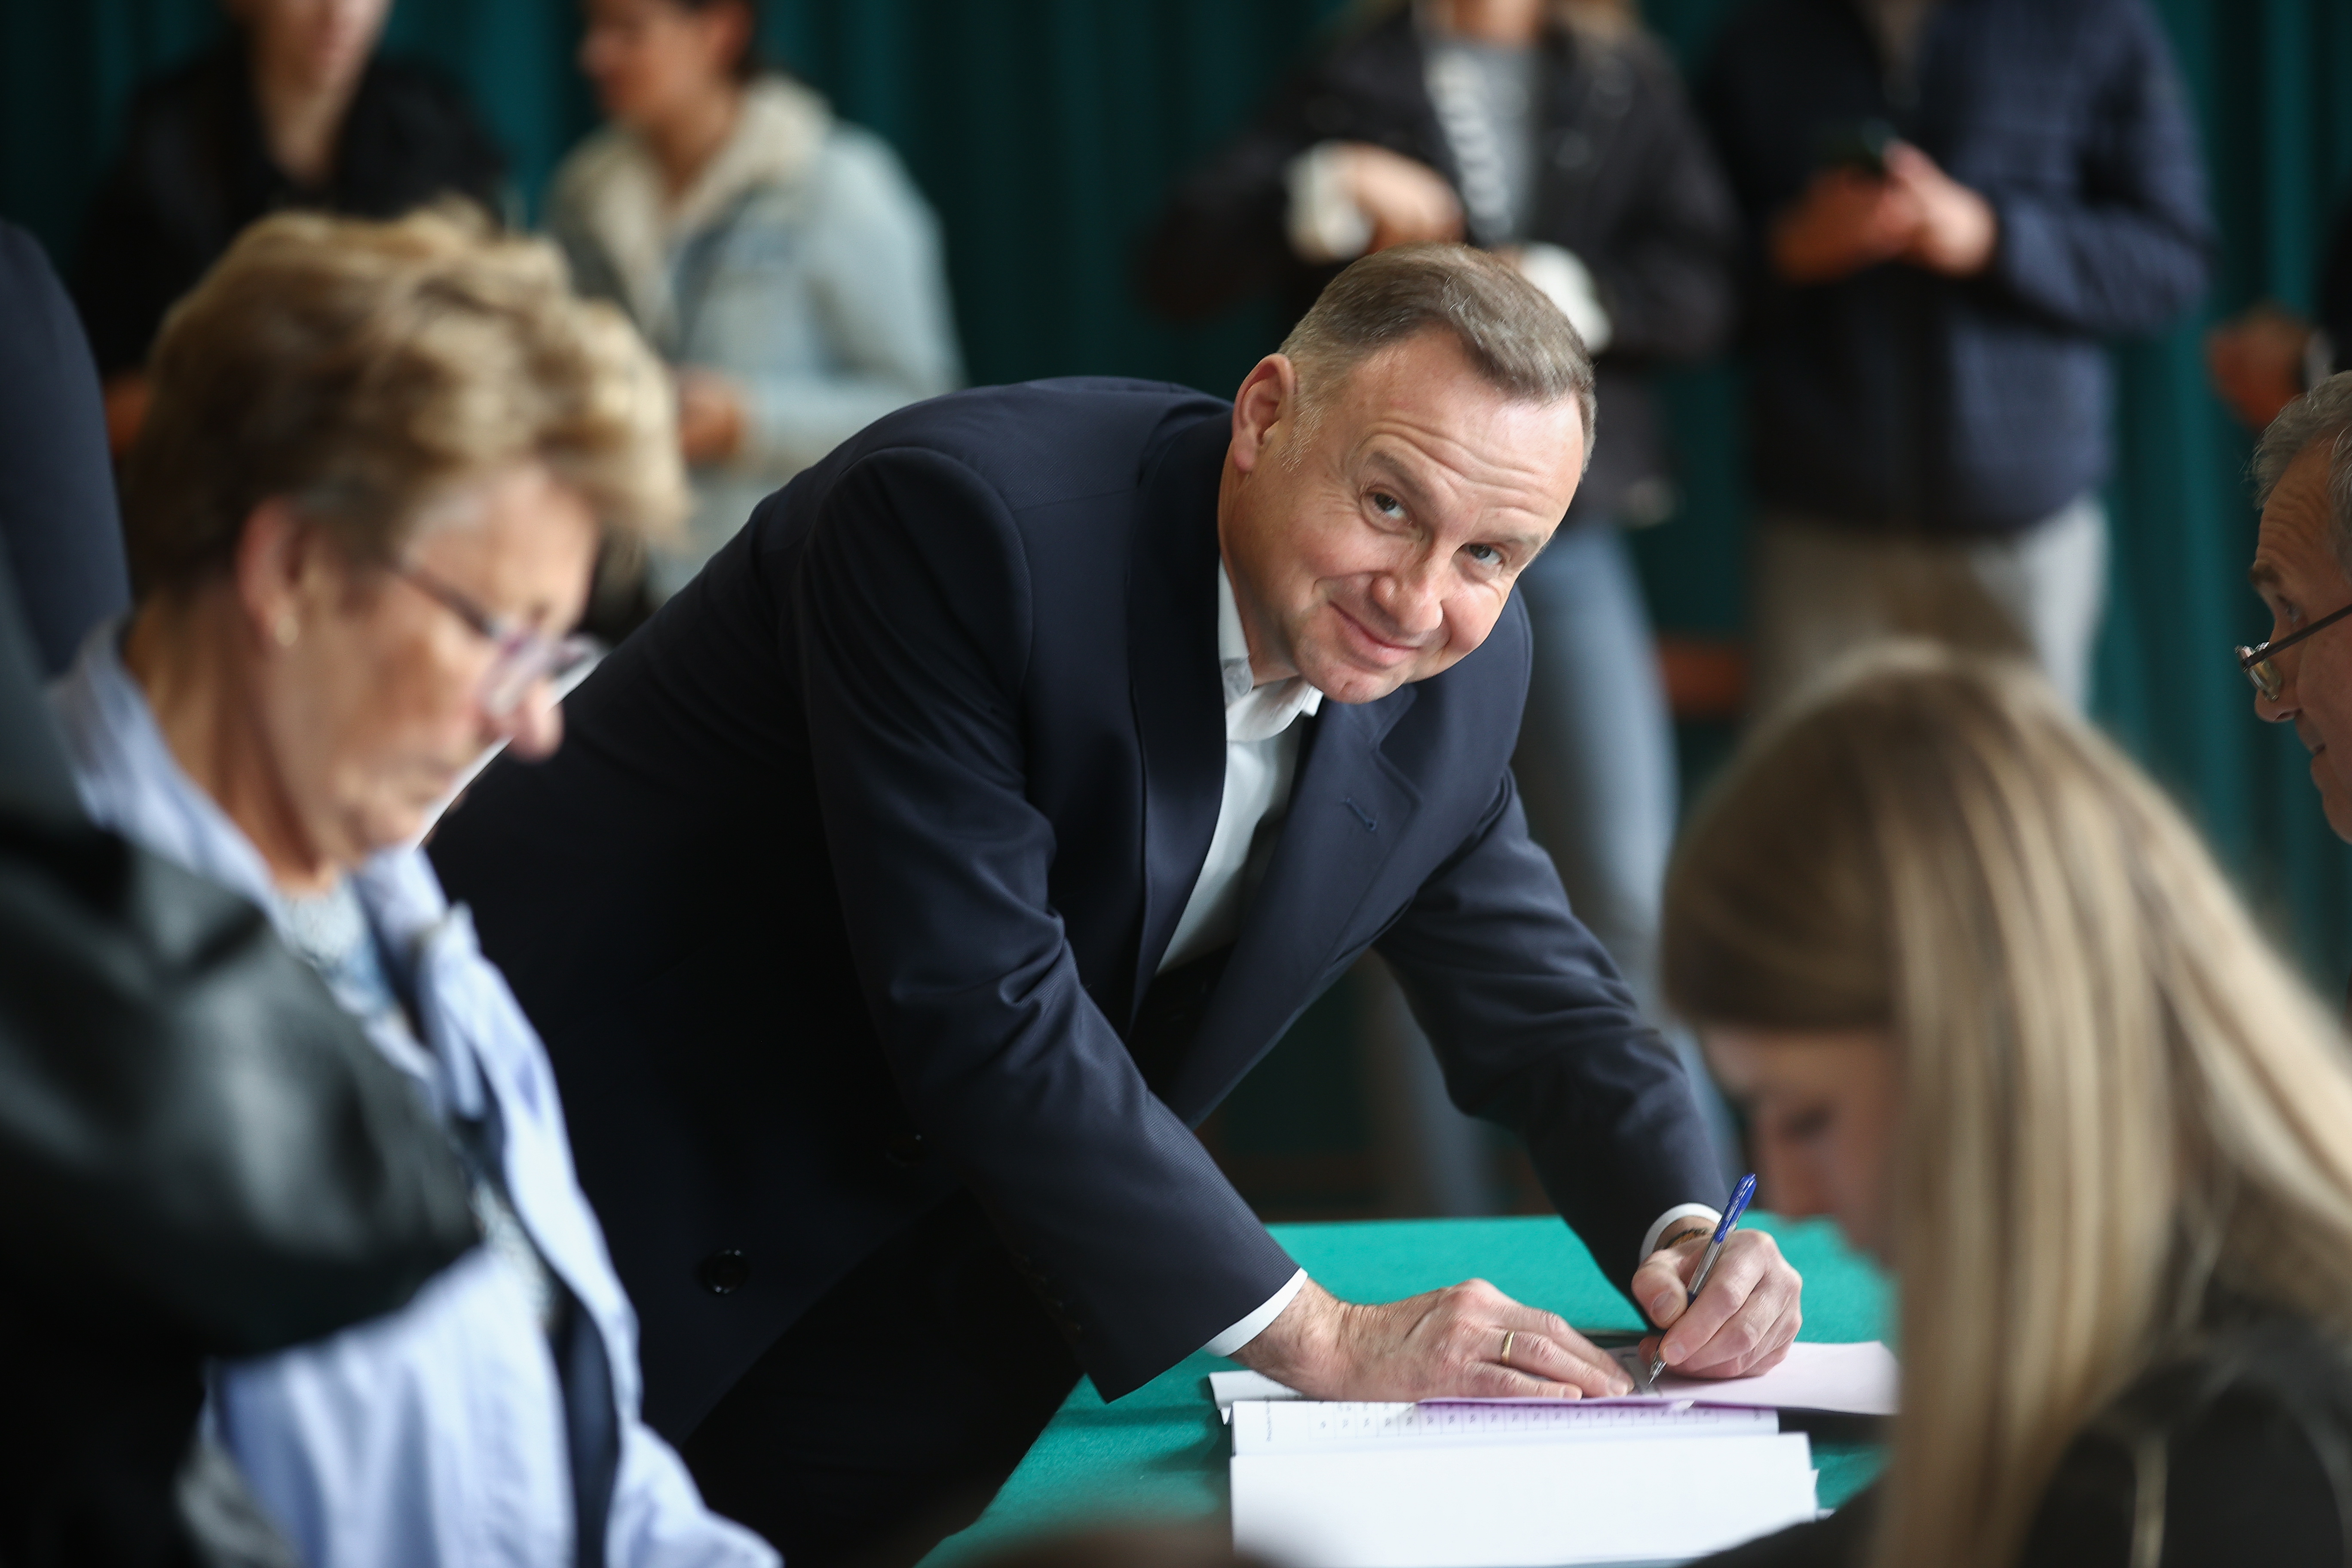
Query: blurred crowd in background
(1922, 227)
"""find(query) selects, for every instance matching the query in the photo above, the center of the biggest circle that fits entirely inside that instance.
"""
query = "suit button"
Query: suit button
(724, 1272)
(906, 1151)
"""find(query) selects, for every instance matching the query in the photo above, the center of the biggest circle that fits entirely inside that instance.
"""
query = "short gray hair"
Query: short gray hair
(2323, 414)
(1518, 340)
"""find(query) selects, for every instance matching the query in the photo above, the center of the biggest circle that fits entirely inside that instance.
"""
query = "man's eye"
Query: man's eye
(1387, 505)
(1483, 555)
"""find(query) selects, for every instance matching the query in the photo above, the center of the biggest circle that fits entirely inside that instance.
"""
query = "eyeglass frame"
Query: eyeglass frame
(524, 657)
(2255, 661)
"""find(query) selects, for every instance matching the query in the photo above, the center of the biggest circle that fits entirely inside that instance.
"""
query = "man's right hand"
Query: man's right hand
(1845, 221)
(1405, 200)
(2256, 361)
(1448, 1342)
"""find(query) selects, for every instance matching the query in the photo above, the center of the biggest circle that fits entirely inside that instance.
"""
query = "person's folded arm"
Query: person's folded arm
(1669, 276)
(912, 616)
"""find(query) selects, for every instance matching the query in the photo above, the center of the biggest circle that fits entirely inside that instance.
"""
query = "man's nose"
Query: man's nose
(1412, 597)
(2281, 709)
(1789, 1184)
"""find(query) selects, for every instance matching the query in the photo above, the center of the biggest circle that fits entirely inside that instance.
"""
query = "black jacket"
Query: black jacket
(1628, 183)
(58, 525)
(194, 169)
(847, 888)
(200, 1154)
(2247, 1435)
(1897, 398)
(2335, 289)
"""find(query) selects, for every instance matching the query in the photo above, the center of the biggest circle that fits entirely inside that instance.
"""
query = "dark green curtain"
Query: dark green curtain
(1044, 130)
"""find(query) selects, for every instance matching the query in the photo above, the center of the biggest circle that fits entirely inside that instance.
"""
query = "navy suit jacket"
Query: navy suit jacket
(859, 860)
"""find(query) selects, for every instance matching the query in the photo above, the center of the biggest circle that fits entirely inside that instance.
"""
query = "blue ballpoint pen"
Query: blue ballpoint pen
(1723, 1230)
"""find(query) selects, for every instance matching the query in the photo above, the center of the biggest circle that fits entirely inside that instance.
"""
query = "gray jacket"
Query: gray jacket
(802, 264)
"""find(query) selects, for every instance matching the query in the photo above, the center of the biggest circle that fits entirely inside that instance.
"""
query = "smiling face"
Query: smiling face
(1379, 546)
(374, 711)
(2296, 573)
(1822, 1106)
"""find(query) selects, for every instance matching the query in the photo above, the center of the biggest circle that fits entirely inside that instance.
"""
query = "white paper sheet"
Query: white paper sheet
(1262, 1427)
(1226, 1387)
(1656, 1501)
(1858, 1379)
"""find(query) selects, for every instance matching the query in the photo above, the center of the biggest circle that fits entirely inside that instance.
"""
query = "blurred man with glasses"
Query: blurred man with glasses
(2302, 675)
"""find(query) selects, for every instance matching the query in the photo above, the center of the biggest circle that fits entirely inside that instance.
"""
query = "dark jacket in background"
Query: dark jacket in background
(60, 526)
(2336, 290)
(847, 893)
(1898, 398)
(200, 1155)
(1627, 182)
(194, 169)
(2248, 1435)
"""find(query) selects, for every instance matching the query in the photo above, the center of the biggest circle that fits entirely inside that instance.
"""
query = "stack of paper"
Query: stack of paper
(1508, 1486)
(1653, 1478)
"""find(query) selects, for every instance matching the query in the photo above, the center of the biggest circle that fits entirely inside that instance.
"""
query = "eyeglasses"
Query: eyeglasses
(524, 657)
(2256, 660)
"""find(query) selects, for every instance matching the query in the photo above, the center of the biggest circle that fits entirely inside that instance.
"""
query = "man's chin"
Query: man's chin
(1340, 681)
(2338, 812)
(2335, 800)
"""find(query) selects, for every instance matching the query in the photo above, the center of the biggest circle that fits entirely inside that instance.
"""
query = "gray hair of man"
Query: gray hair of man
(2323, 414)
(1516, 338)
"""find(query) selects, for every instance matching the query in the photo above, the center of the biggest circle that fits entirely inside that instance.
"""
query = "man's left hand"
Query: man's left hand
(1958, 228)
(1743, 1321)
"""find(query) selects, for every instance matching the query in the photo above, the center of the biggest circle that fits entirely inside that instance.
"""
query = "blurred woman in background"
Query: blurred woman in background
(362, 516)
(292, 110)
(781, 260)
(1992, 1006)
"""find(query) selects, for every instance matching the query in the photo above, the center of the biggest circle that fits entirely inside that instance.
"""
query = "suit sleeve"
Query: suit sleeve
(911, 612)
(1537, 1032)
(2127, 251)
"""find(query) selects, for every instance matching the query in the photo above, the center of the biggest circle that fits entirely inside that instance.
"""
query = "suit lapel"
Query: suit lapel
(1179, 697)
(1348, 809)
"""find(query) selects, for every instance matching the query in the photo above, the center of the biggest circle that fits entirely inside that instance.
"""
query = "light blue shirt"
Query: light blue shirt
(434, 1435)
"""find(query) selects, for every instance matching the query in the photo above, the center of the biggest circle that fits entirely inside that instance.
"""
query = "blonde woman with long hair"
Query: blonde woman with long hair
(1991, 1005)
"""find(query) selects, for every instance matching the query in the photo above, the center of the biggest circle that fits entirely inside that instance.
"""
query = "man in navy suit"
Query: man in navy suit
(922, 873)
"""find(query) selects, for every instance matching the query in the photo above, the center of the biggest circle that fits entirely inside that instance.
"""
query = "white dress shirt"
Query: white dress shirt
(1261, 760)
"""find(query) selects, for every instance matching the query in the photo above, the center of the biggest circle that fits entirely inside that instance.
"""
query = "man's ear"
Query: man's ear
(1264, 410)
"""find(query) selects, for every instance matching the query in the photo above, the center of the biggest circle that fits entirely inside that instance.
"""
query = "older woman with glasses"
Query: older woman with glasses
(361, 515)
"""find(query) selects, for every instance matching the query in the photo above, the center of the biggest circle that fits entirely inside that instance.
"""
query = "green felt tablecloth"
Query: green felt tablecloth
(1160, 1454)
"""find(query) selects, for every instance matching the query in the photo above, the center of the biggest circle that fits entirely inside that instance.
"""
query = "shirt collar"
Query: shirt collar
(1254, 712)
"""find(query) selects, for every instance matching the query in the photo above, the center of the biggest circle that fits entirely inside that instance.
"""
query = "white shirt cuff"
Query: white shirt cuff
(1249, 1327)
(1680, 1211)
(1324, 222)
(1562, 275)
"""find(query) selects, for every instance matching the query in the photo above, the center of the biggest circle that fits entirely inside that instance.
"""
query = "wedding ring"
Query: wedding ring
(1509, 1337)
